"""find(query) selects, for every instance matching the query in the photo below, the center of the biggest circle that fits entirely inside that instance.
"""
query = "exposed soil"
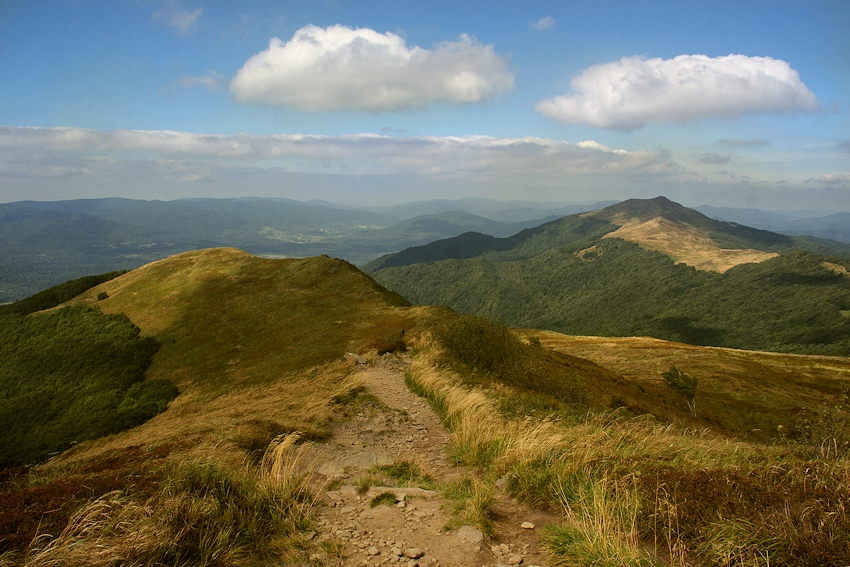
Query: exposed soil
(403, 427)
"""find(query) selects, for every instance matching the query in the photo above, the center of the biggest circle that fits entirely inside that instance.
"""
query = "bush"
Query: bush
(482, 350)
(58, 294)
(684, 385)
(72, 375)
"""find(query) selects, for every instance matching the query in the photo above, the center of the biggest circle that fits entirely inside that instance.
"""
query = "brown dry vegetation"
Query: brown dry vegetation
(686, 245)
(633, 489)
(753, 395)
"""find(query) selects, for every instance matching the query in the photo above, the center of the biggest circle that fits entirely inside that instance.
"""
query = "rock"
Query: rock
(514, 559)
(401, 492)
(413, 552)
(470, 534)
(373, 551)
(527, 526)
(502, 484)
(400, 504)
(357, 358)
(364, 460)
(397, 551)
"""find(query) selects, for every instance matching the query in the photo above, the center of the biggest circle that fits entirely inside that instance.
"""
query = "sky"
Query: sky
(739, 103)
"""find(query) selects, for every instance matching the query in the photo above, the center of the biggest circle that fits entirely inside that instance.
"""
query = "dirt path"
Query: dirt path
(403, 428)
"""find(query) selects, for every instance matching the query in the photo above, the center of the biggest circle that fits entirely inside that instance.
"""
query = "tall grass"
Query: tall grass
(204, 515)
(625, 484)
(600, 527)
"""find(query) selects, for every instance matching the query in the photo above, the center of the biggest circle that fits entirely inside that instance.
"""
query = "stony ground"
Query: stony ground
(411, 530)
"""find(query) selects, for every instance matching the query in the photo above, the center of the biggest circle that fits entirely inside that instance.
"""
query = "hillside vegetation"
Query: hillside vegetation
(633, 490)
(256, 347)
(570, 276)
(72, 375)
(629, 469)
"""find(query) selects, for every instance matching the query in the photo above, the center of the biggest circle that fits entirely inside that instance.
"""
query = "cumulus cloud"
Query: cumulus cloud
(630, 93)
(740, 142)
(340, 68)
(835, 178)
(213, 81)
(177, 17)
(544, 23)
(714, 158)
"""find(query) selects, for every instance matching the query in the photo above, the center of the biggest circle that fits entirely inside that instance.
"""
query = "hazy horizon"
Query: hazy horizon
(725, 104)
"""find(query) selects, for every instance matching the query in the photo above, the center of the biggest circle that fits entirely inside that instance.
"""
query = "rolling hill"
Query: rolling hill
(641, 267)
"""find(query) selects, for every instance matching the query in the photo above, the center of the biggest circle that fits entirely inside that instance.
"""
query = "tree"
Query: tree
(684, 385)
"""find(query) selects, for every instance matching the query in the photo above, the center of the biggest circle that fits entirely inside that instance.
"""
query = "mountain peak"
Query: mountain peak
(683, 234)
(647, 209)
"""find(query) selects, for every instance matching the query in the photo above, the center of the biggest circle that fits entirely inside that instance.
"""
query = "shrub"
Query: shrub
(482, 350)
(682, 384)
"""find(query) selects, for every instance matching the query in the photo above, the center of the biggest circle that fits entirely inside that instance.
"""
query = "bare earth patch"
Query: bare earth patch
(686, 246)
(402, 428)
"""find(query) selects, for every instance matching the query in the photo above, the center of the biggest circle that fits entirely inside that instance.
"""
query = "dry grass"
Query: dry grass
(203, 515)
(624, 483)
(752, 395)
(686, 245)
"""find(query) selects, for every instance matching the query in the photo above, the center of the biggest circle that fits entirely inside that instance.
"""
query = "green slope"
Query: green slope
(791, 303)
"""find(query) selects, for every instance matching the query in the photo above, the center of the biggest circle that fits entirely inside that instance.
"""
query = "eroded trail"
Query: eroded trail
(402, 428)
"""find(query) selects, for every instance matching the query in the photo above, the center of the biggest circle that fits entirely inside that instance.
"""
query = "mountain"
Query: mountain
(45, 243)
(832, 227)
(502, 211)
(641, 267)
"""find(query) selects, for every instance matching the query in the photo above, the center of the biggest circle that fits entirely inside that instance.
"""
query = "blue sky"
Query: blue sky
(723, 103)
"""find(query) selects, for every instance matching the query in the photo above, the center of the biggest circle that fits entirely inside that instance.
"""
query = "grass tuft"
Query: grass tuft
(203, 515)
(385, 497)
(472, 500)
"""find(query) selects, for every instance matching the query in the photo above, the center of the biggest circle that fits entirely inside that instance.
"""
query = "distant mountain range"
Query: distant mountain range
(45, 243)
(832, 227)
(642, 267)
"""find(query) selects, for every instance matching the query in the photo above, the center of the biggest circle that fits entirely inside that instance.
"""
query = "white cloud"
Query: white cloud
(740, 142)
(177, 17)
(835, 178)
(548, 162)
(213, 81)
(628, 94)
(339, 68)
(544, 23)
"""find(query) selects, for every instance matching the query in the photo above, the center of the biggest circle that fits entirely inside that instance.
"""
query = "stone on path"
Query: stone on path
(527, 526)
(364, 460)
(413, 552)
(470, 534)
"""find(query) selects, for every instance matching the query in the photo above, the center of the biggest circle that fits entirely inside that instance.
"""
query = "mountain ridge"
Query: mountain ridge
(577, 276)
